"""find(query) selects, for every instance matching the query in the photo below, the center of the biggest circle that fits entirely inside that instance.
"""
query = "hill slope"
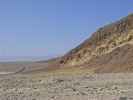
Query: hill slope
(109, 49)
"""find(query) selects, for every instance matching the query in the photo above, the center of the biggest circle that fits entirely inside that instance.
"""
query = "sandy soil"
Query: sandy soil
(35, 82)
(55, 85)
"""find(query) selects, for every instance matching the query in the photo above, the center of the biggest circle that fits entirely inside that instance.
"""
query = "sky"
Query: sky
(52, 27)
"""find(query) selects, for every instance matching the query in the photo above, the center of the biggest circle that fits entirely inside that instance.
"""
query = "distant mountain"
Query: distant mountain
(109, 49)
(22, 58)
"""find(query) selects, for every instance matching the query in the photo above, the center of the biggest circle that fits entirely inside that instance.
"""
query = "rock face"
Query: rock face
(111, 45)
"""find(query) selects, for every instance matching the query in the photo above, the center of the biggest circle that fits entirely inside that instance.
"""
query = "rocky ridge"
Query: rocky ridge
(103, 43)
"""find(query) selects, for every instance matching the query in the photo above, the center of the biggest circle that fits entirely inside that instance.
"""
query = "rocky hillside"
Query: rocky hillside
(110, 45)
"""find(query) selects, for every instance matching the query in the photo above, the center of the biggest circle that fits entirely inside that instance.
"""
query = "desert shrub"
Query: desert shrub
(123, 98)
(101, 50)
(61, 61)
(130, 37)
(114, 44)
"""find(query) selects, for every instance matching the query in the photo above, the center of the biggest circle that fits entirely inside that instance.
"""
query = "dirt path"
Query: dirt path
(8, 72)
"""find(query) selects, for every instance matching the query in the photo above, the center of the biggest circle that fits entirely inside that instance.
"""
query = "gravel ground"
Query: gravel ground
(67, 87)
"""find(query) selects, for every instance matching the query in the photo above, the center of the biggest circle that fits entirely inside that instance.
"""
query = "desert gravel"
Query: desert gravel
(67, 87)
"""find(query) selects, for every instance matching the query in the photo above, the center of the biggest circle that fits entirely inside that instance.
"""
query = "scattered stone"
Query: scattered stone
(123, 98)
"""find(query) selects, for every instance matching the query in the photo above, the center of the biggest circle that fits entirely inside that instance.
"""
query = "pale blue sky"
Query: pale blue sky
(53, 27)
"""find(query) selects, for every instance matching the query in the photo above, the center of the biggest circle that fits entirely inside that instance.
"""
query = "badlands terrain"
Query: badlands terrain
(98, 69)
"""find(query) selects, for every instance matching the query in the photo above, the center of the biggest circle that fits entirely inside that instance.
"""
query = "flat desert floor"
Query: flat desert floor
(66, 84)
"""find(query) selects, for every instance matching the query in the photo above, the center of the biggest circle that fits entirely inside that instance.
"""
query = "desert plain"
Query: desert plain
(34, 83)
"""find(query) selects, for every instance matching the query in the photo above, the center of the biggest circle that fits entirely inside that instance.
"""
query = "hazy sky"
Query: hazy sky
(52, 27)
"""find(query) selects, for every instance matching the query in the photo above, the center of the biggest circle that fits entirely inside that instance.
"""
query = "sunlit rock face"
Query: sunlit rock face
(104, 41)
